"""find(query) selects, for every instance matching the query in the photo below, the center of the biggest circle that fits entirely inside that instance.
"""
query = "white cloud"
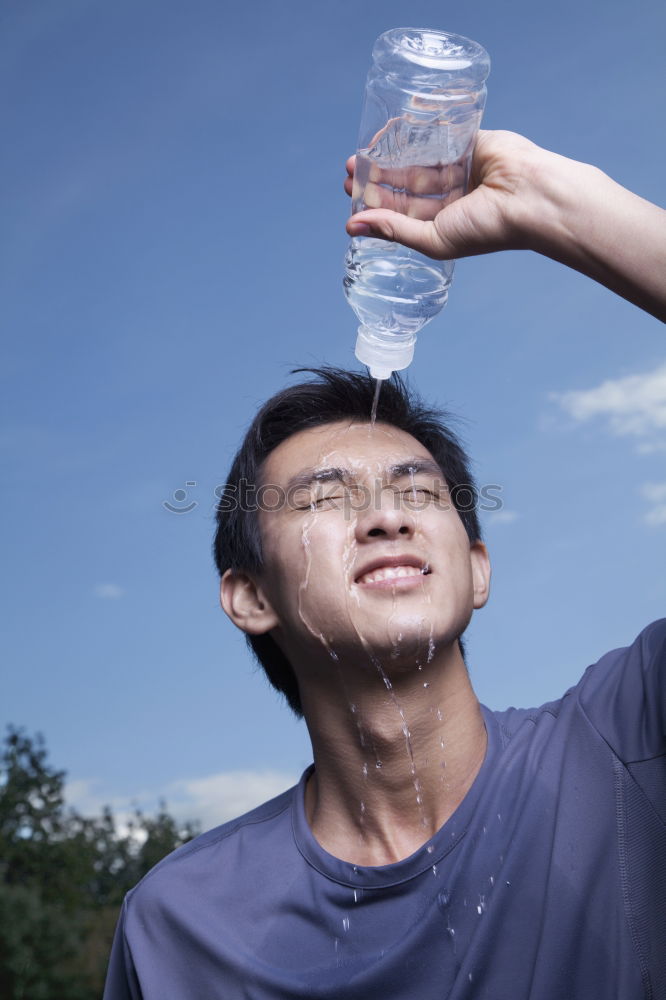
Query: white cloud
(80, 792)
(108, 591)
(220, 797)
(655, 493)
(633, 406)
(85, 797)
(210, 800)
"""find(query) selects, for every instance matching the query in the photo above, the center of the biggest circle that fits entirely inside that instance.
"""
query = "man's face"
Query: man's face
(367, 555)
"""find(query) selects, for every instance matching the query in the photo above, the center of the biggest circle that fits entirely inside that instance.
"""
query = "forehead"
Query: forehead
(362, 448)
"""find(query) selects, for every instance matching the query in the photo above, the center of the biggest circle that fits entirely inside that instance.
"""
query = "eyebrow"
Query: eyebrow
(414, 467)
(307, 477)
(338, 474)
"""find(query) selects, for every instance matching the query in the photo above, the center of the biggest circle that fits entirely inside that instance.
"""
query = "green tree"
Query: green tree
(63, 877)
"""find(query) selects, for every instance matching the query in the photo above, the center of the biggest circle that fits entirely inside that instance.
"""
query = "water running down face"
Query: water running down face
(369, 555)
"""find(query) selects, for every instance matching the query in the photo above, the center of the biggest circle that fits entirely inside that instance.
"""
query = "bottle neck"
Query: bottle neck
(384, 352)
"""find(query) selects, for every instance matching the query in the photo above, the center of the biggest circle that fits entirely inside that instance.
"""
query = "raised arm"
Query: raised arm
(523, 197)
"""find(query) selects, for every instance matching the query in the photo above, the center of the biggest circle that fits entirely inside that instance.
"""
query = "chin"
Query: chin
(404, 645)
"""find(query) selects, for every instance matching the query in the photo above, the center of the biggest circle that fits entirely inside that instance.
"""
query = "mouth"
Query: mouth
(393, 571)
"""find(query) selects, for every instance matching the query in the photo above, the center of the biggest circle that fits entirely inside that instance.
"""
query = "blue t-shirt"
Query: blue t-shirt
(547, 883)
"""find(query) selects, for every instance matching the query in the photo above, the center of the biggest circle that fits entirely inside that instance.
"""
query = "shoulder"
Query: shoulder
(622, 695)
(645, 654)
(222, 854)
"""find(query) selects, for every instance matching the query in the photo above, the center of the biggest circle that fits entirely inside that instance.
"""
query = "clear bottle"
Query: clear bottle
(423, 103)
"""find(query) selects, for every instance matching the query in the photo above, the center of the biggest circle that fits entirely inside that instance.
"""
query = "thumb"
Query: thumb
(384, 224)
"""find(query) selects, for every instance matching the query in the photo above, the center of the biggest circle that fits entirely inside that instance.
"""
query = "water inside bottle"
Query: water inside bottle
(416, 165)
(394, 289)
(389, 286)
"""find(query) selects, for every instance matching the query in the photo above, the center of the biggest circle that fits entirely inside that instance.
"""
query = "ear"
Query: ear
(244, 601)
(480, 573)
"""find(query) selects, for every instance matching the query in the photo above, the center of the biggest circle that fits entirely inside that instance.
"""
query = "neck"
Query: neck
(393, 760)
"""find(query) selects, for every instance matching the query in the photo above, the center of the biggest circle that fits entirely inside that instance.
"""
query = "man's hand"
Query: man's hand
(524, 197)
(480, 222)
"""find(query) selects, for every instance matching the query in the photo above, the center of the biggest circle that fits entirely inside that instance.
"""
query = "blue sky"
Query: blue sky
(172, 242)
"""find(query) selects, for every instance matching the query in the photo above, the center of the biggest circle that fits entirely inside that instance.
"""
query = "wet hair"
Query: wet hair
(330, 395)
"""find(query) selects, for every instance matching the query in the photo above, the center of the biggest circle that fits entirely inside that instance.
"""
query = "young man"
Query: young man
(435, 849)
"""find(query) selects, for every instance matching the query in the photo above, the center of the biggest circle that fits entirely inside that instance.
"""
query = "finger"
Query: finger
(418, 180)
(428, 209)
(404, 202)
(349, 179)
(398, 228)
(424, 206)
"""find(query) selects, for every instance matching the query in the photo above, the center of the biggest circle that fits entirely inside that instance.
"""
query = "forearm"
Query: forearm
(525, 197)
(589, 222)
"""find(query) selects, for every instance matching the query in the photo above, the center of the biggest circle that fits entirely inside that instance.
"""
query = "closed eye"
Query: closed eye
(419, 493)
(320, 503)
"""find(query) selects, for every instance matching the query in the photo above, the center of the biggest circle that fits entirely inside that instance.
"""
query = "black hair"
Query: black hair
(332, 394)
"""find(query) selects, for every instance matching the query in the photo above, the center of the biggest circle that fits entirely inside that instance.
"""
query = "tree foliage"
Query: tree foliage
(63, 877)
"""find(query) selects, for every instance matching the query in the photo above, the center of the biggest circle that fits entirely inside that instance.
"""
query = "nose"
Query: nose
(385, 517)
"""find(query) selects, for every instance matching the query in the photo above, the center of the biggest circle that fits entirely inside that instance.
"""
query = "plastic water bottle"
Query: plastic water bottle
(423, 103)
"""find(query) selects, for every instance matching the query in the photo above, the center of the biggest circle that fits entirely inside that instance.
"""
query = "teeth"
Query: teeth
(390, 573)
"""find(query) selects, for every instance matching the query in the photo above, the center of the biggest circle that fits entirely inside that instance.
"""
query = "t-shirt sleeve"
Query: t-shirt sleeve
(121, 979)
(624, 696)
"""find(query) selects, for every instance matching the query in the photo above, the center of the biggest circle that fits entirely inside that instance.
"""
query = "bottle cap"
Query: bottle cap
(384, 354)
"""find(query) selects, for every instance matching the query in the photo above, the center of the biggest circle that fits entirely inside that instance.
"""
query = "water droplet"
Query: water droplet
(439, 715)
(425, 684)
(470, 977)
(443, 900)
(430, 848)
(434, 869)
(345, 923)
(356, 896)
(508, 883)
(378, 764)
(492, 880)
(365, 770)
(352, 708)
